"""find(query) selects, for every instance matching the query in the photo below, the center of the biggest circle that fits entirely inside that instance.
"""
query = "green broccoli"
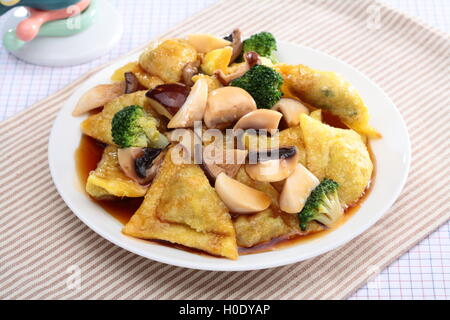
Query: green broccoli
(263, 43)
(322, 205)
(263, 83)
(133, 127)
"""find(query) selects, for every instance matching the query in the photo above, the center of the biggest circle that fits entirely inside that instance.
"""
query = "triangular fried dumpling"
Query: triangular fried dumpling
(181, 207)
(338, 154)
(293, 137)
(98, 126)
(108, 179)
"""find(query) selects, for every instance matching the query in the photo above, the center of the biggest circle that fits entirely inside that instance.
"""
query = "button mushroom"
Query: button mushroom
(98, 96)
(259, 119)
(193, 108)
(167, 99)
(296, 189)
(204, 43)
(226, 105)
(217, 160)
(272, 165)
(139, 164)
(291, 110)
(240, 198)
(250, 59)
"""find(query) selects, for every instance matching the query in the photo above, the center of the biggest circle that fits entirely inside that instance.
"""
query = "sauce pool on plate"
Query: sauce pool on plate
(90, 152)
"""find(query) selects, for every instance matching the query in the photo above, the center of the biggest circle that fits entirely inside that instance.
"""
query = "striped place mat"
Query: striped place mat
(44, 248)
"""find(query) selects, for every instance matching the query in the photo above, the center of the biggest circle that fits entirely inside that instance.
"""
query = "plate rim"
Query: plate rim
(268, 264)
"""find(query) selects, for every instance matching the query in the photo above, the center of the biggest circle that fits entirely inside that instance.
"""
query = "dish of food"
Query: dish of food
(229, 154)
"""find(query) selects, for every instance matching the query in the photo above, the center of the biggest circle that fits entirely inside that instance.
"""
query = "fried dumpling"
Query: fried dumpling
(293, 137)
(330, 92)
(108, 179)
(338, 154)
(265, 225)
(168, 59)
(181, 207)
(98, 126)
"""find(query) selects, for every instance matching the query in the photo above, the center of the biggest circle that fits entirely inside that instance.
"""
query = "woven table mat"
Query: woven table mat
(43, 244)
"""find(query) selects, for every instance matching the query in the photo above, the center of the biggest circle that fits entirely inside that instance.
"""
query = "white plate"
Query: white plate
(392, 164)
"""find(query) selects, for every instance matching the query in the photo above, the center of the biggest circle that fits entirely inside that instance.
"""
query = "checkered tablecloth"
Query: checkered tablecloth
(422, 273)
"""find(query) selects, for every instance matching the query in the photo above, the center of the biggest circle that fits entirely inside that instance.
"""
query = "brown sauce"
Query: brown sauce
(87, 156)
(90, 152)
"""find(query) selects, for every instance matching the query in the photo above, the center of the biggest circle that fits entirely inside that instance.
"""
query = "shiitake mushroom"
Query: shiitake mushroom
(168, 98)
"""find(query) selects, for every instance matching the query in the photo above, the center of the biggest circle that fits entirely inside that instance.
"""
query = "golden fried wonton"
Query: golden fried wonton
(168, 59)
(338, 154)
(182, 207)
(109, 180)
(98, 126)
(265, 225)
(330, 92)
(293, 137)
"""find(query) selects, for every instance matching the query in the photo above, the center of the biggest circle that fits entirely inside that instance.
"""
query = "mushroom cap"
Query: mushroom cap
(259, 119)
(168, 98)
(128, 157)
(204, 43)
(296, 189)
(193, 108)
(291, 110)
(226, 105)
(273, 170)
(240, 198)
(131, 83)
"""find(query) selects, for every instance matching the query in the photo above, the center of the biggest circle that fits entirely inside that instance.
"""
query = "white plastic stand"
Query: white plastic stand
(77, 49)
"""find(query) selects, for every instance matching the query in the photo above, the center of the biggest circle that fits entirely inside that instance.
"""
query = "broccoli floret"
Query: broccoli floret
(263, 43)
(133, 127)
(322, 205)
(263, 84)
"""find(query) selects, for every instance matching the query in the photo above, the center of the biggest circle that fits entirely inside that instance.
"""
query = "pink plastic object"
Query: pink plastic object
(29, 28)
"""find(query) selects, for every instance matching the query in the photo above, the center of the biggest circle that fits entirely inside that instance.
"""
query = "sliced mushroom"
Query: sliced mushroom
(137, 163)
(291, 110)
(190, 70)
(204, 43)
(236, 42)
(98, 97)
(131, 82)
(240, 198)
(273, 165)
(259, 119)
(217, 160)
(296, 189)
(193, 108)
(167, 99)
(226, 105)
(251, 59)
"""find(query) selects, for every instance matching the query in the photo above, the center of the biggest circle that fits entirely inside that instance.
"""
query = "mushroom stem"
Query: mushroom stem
(251, 59)
(237, 44)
